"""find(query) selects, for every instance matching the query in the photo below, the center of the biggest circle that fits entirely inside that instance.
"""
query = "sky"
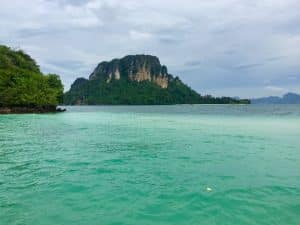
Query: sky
(246, 48)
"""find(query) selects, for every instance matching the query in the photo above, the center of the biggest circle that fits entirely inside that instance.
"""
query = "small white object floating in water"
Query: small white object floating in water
(208, 189)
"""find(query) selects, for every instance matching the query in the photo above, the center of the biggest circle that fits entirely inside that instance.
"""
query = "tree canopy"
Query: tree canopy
(23, 84)
(125, 92)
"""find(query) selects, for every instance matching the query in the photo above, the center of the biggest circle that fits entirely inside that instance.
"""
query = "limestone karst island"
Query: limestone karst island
(132, 80)
(136, 80)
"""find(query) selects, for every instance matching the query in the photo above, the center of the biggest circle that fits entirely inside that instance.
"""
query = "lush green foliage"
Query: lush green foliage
(22, 83)
(99, 92)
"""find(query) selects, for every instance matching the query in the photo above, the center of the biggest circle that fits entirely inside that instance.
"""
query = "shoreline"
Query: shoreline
(29, 110)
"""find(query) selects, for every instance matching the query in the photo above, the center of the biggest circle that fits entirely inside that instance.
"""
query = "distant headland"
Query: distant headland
(289, 98)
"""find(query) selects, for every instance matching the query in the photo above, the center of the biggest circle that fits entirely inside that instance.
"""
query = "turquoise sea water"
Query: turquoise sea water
(151, 165)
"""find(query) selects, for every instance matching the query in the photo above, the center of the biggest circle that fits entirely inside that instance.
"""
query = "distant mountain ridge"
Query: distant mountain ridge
(289, 98)
(135, 80)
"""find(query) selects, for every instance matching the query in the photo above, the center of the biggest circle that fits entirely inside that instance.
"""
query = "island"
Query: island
(24, 88)
(136, 80)
(288, 98)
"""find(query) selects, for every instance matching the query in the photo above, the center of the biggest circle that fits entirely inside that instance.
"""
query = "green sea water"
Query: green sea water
(152, 165)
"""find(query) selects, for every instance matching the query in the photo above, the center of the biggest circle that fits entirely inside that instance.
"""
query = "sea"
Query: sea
(144, 165)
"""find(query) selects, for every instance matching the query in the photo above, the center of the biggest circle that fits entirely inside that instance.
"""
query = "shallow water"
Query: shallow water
(152, 165)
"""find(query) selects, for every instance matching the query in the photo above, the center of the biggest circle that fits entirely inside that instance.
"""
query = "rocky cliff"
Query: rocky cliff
(134, 80)
(135, 68)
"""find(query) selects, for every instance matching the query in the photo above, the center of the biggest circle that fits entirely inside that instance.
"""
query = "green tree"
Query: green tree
(22, 83)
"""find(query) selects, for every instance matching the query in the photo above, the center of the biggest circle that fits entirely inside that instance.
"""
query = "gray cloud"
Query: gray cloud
(169, 40)
(274, 58)
(72, 64)
(193, 63)
(247, 66)
(215, 46)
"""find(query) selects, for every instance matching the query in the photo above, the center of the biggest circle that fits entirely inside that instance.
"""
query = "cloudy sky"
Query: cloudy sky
(222, 47)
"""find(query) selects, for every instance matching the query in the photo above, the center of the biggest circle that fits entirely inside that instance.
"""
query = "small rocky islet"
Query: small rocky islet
(131, 80)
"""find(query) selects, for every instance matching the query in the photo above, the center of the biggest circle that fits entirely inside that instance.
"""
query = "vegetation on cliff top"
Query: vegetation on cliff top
(23, 84)
(125, 92)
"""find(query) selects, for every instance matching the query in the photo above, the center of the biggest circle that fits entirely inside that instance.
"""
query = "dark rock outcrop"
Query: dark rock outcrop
(27, 109)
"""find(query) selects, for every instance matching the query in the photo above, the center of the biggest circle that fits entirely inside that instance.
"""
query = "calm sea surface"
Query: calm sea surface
(143, 165)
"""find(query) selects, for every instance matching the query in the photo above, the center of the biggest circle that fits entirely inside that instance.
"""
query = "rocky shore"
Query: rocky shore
(22, 109)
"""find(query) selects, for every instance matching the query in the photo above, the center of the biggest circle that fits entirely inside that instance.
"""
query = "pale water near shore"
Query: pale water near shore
(151, 165)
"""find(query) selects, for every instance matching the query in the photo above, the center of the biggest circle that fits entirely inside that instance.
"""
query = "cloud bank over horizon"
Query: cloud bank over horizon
(230, 47)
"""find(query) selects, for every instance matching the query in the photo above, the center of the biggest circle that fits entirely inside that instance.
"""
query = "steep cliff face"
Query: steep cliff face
(135, 68)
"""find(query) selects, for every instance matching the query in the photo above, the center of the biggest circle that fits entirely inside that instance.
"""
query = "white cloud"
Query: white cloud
(277, 90)
(137, 35)
(81, 16)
